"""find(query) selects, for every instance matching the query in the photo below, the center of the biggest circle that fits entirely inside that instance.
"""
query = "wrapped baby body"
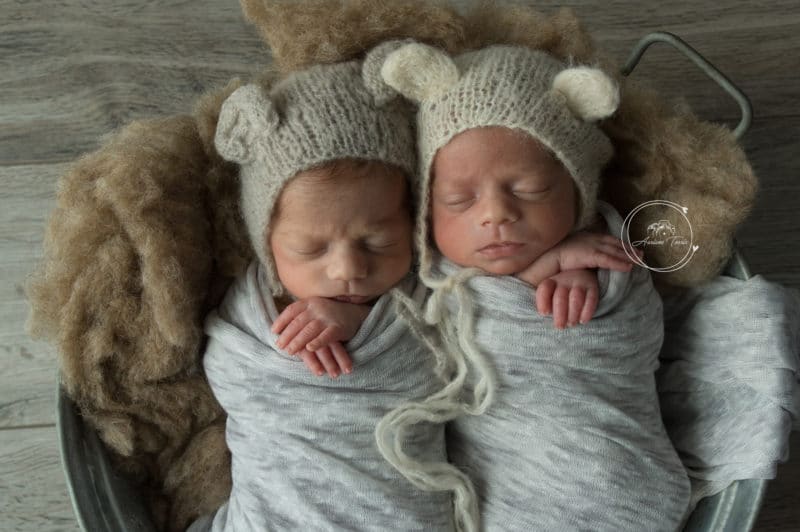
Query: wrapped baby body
(574, 439)
(303, 448)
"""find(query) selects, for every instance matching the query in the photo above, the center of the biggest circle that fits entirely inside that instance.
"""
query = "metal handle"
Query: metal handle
(710, 70)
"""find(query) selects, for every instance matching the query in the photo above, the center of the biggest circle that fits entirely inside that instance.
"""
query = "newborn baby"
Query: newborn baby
(325, 170)
(510, 161)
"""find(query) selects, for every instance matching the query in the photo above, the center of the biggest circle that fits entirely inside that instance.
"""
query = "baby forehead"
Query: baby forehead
(506, 172)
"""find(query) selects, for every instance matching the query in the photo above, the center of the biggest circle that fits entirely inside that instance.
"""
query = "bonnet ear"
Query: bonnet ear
(371, 71)
(415, 70)
(590, 93)
(246, 116)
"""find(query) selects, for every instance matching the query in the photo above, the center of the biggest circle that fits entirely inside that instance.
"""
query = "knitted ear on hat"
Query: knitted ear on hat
(372, 67)
(419, 72)
(590, 93)
(245, 116)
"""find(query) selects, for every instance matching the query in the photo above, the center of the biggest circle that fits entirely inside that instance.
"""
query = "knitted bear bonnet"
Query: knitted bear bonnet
(509, 86)
(323, 113)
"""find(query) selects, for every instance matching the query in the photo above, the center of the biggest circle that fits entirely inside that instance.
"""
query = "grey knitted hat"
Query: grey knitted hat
(509, 86)
(321, 114)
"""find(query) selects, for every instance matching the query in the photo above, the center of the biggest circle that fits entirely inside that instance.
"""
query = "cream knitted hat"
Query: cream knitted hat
(326, 112)
(509, 86)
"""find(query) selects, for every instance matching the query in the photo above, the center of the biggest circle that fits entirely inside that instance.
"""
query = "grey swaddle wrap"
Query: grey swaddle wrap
(728, 384)
(303, 450)
(574, 439)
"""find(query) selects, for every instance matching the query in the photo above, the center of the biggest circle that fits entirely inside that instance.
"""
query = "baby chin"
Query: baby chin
(503, 265)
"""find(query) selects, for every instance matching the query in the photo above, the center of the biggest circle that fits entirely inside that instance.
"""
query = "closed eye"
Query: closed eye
(380, 244)
(457, 202)
(532, 194)
(308, 252)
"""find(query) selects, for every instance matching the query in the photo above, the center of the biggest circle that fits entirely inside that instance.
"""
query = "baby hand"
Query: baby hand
(570, 296)
(315, 323)
(330, 358)
(592, 250)
(578, 251)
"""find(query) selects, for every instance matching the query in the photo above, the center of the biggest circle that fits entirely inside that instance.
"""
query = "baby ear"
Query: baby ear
(246, 116)
(591, 94)
(416, 70)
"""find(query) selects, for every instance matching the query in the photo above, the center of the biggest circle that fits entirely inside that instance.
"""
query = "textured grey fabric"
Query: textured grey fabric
(728, 384)
(574, 439)
(303, 449)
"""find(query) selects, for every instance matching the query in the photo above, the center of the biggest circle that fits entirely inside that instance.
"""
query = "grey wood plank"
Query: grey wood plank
(29, 373)
(75, 70)
(90, 67)
(27, 197)
(27, 367)
(768, 239)
(33, 493)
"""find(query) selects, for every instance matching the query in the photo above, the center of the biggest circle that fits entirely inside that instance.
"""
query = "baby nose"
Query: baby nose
(497, 210)
(347, 265)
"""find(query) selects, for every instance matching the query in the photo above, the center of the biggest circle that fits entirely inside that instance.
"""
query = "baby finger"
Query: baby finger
(590, 305)
(328, 361)
(341, 356)
(290, 331)
(312, 363)
(325, 337)
(560, 306)
(576, 301)
(544, 297)
(308, 333)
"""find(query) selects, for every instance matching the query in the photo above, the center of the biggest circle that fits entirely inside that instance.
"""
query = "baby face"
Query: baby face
(343, 237)
(499, 200)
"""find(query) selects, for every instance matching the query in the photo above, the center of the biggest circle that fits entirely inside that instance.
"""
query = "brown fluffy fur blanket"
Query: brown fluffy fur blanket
(147, 234)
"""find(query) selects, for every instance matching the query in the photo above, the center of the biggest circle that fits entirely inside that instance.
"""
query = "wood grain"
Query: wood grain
(81, 69)
(27, 367)
(768, 240)
(75, 70)
(33, 492)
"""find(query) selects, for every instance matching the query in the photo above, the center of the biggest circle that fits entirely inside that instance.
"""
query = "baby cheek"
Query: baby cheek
(451, 235)
(396, 268)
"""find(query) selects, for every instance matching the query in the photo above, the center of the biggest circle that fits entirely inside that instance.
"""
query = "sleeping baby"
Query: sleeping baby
(510, 160)
(326, 159)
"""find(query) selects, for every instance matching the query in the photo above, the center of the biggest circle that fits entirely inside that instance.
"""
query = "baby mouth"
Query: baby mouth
(500, 249)
(356, 300)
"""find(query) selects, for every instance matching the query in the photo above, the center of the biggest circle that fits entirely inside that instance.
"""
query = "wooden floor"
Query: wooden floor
(73, 70)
